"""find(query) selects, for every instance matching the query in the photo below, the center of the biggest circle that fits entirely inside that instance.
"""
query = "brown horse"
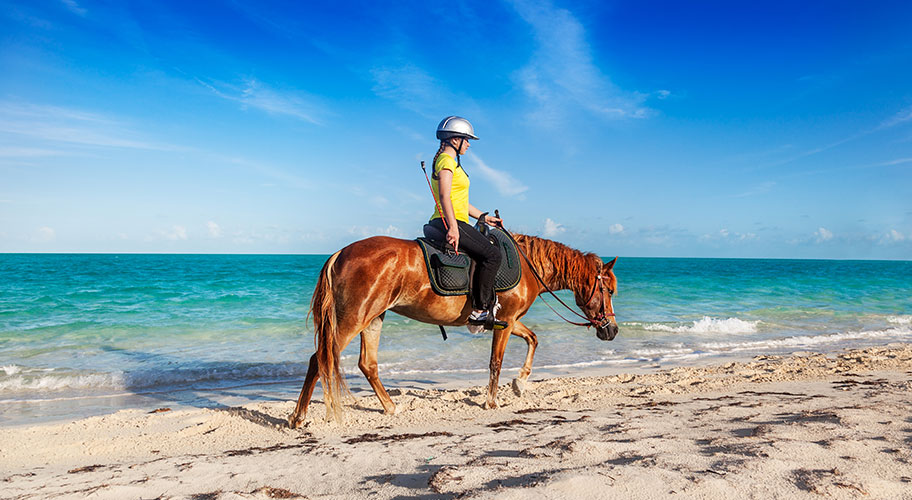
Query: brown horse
(359, 283)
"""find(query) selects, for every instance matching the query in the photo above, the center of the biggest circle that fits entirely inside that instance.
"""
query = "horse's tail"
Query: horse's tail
(323, 308)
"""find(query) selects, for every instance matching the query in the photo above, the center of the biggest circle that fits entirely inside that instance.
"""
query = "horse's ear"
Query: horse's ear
(608, 265)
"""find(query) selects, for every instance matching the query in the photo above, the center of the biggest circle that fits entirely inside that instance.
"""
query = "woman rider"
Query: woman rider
(451, 184)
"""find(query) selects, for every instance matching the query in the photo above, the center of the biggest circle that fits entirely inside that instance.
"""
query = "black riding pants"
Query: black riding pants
(487, 261)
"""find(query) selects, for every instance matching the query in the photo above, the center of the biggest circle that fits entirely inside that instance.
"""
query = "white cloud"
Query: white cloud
(663, 94)
(176, 233)
(552, 228)
(368, 231)
(823, 234)
(505, 183)
(562, 72)
(255, 94)
(45, 234)
(725, 234)
(893, 236)
(615, 229)
(214, 230)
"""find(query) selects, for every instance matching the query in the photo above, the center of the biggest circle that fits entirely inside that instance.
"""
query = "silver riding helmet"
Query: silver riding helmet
(455, 126)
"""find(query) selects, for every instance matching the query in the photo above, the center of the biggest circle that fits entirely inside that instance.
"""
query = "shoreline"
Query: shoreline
(805, 424)
(58, 408)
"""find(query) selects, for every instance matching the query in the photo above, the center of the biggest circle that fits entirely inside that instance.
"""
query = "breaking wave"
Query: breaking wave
(706, 325)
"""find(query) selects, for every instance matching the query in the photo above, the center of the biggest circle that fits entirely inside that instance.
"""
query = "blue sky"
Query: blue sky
(707, 129)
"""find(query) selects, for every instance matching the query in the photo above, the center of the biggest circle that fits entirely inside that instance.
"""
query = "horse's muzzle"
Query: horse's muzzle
(608, 332)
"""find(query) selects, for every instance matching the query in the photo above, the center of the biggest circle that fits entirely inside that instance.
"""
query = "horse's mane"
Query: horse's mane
(572, 268)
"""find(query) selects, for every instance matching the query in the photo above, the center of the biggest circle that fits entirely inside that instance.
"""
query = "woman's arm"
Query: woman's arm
(489, 219)
(445, 182)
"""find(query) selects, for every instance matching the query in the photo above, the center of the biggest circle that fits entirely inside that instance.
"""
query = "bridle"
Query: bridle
(603, 315)
(599, 321)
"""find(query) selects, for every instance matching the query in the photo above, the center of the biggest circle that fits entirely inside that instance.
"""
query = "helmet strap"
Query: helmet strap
(458, 149)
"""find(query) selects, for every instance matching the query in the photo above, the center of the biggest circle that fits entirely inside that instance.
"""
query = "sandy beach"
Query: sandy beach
(801, 426)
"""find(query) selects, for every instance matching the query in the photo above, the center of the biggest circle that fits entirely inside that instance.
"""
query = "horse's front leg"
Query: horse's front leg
(498, 346)
(521, 330)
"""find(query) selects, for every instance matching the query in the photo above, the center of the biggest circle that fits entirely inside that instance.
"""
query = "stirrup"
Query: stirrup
(487, 319)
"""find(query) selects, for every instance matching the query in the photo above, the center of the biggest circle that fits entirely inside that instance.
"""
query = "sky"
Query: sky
(640, 129)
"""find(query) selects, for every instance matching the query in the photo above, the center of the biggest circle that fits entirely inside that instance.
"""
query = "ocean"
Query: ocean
(85, 334)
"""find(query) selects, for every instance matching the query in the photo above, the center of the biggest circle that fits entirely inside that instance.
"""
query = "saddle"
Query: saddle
(451, 274)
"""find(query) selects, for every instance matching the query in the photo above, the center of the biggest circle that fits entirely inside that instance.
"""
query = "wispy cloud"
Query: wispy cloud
(890, 163)
(71, 126)
(899, 118)
(287, 178)
(763, 187)
(408, 85)
(552, 228)
(74, 7)
(562, 72)
(615, 229)
(257, 95)
(20, 152)
(414, 89)
(505, 183)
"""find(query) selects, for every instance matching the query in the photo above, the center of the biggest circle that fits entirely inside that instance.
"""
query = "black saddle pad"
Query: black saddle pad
(449, 274)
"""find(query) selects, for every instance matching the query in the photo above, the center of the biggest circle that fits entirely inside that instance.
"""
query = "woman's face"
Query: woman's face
(461, 144)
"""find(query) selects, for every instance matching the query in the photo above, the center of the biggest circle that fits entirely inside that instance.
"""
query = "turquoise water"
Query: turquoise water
(83, 334)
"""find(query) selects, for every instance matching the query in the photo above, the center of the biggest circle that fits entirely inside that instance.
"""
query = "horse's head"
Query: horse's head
(596, 303)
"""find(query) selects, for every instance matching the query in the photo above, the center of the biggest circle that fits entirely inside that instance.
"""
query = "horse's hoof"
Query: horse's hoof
(391, 411)
(519, 386)
(295, 423)
(491, 405)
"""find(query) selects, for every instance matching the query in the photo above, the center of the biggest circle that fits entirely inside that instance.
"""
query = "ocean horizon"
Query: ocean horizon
(91, 333)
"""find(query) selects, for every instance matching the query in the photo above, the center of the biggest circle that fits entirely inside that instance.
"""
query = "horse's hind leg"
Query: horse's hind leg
(370, 341)
(521, 330)
(297, 416)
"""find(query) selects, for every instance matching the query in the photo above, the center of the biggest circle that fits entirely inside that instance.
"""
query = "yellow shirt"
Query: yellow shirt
(459, 192)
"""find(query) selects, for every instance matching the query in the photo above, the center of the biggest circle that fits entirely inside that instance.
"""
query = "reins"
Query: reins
(598, 283)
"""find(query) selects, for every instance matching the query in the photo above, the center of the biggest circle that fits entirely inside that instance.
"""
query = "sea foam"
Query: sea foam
(707, 325)
(150, 380)
(905, 319)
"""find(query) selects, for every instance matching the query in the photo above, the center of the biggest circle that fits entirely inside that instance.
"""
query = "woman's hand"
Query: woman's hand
(493, 221)
(452, 237)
